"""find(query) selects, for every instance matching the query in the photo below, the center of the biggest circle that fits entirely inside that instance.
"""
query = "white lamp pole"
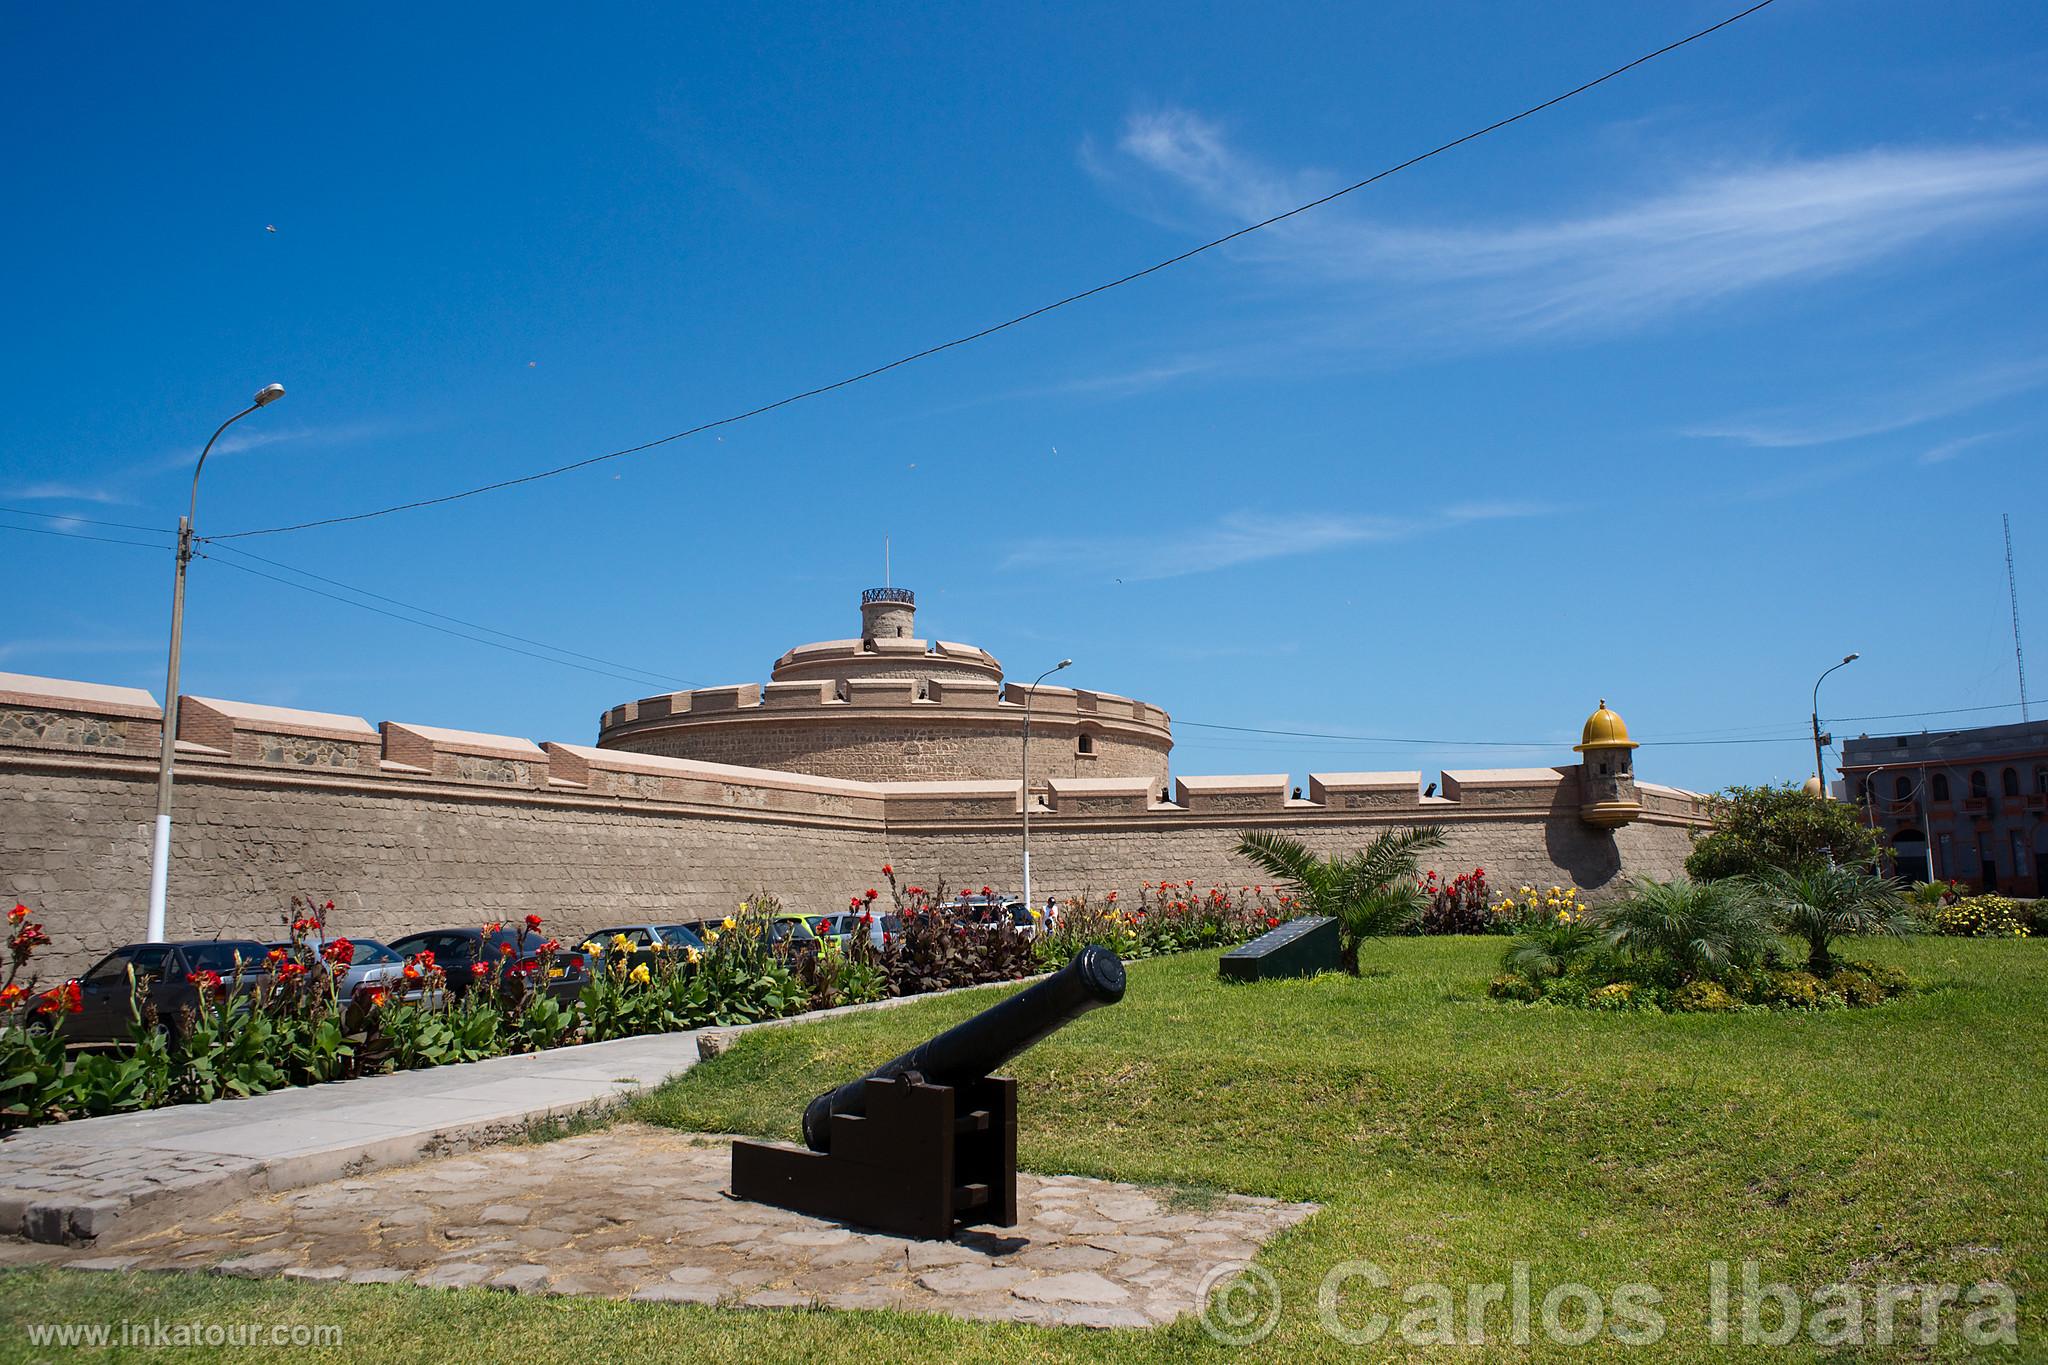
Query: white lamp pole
(160, 852)
(1818, 773)
(1029, 904)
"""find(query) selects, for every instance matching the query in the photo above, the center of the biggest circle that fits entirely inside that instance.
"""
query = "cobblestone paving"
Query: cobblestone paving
(642, 1213)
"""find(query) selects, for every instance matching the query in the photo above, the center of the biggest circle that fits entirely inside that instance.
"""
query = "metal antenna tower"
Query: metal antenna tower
(2012, 592)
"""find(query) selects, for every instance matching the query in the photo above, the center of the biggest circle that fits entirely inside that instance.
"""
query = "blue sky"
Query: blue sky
(1673, 394)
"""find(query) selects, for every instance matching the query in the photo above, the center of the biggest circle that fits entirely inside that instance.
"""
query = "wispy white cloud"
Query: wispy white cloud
(1881, 407)
(61, 492)
(1246, 538)
(1948, 450)
(1668, 249)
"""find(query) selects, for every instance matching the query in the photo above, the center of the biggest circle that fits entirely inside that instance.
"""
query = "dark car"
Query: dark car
(161, 971)
(457, 950)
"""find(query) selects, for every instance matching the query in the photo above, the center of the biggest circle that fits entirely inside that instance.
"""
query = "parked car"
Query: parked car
(995, 909)
(160, 970)
(844, 924)
(648, 936)
(782, 928)
(456, 950)
(371, 964)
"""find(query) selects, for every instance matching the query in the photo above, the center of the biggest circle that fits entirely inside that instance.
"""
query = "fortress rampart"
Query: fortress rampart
(411, 826)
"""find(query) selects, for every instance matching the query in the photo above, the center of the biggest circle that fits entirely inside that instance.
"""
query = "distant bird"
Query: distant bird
(531, 363)
(270, 227)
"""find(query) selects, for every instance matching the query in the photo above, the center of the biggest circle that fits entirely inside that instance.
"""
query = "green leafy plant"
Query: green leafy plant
(1763, 829)
(1690, 929)
(1821, 904)
(1370, 893)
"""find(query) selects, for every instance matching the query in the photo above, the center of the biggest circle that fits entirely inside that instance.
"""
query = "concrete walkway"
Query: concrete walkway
(70, 1182)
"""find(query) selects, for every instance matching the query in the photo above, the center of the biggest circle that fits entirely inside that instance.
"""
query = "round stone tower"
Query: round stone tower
(891, 707)
(888, 614)
(1607, 771)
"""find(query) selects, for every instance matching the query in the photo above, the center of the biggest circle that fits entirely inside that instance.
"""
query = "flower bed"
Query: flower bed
(284, 1022)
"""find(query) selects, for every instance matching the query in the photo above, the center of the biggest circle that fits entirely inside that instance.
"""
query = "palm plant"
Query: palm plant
(1369, 893)
(1822, 904)
(1549, 949)
(1701, 929)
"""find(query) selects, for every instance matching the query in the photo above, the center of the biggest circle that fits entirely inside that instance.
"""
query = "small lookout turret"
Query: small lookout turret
(888, 614)
(1607, 771)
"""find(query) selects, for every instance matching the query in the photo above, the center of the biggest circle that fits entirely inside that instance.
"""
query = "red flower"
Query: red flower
(64, 998)
(479, 970)
(533, 922)
(206, 979)
(1191, 883)
(823, 925)
(505, 949)
(552, 945)
(1272, 923)
(17, 914)
(1112, 898)
(374, 994)
(494, 926)
(290, 971)
(870, 896)
(275, 956)
(340, 952)
(985, 891)
(11, 995)
(888, 871)
(866, 920)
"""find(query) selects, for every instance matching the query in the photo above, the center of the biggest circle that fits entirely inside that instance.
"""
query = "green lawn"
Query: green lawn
(1448, 1138)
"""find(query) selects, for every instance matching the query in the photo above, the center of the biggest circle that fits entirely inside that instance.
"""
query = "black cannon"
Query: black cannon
(927, 1141)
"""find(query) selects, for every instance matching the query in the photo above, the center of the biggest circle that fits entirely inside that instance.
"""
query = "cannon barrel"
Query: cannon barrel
(975, 1047)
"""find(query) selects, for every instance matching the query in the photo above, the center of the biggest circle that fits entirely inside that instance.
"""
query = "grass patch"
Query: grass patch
(1449, 1138)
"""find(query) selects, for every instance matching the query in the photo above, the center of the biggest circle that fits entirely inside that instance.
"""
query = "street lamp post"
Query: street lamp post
(1028, 697)
(1819, 774)
(160, 851)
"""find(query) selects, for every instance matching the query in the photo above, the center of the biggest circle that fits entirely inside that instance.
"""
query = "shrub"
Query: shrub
(1982, 917)
(1616, 995)
(1762, 829)
(1701, 997)
(1514, 986)
(1550, 949)
(1822, 904)
(1686, 929)
(1530, 908)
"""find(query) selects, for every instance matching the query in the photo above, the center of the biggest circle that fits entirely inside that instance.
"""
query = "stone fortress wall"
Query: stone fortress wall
(412, 826)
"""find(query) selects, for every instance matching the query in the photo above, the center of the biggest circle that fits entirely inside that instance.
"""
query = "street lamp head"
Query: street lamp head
(269, 394)
(1064, 663)
(1852, 658)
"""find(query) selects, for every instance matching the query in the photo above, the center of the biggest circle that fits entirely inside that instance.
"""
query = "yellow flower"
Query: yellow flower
(730, 922)
(711, 936)
(1038, 914)
(621, 944)
(639, 976)
(589, 946)
(691, 954)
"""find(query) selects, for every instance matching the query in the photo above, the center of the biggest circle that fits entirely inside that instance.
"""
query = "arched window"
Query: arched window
(1902, 789)
(2041, 781)
(2010, 781)
(1979, 789)
(1941, 786)
(1084, 743)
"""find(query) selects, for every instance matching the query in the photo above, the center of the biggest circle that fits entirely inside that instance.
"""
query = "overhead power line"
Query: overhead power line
(424, 625)
(80, 535)
(1020, 318)
(457, 620)
(87, 520)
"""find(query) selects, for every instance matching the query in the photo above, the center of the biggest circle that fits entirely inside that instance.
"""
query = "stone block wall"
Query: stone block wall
(411, 827)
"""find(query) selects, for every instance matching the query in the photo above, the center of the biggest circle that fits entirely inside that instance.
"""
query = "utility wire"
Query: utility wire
(1020, 318)
(443, 616)
(425, 625)
(87, 521)
(80, 535)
